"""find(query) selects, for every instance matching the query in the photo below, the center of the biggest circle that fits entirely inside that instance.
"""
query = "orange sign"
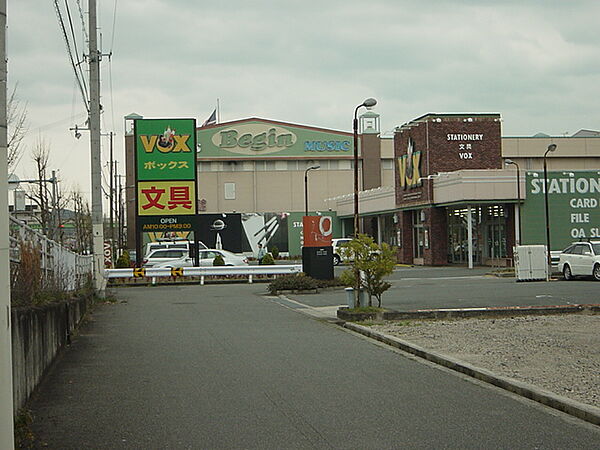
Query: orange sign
(166, 198)
(317, 231)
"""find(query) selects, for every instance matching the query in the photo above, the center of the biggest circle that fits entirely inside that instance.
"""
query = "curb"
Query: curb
(453, 313)
(582, 411)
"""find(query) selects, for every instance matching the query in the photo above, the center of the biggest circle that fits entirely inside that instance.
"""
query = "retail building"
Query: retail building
(439, 189)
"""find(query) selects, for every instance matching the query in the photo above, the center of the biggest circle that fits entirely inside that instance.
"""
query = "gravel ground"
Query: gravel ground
(558, 353)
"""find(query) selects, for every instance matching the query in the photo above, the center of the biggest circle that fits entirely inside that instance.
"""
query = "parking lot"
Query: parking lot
(460, 287)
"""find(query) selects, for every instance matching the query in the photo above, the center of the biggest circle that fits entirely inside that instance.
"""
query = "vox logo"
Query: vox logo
(168, 142)
(409, 167)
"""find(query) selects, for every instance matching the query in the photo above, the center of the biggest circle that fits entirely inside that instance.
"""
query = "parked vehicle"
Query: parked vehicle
(580, 259)
(171, 244)
(206, 258)
(337, 245)
(164, 255)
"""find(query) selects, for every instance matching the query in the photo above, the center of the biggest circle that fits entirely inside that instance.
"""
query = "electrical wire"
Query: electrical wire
(83, 29)
(75, 47)
(70, 54)
(112, 38)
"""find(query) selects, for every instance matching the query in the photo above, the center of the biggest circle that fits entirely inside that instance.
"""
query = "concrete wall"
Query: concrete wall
(38, 334)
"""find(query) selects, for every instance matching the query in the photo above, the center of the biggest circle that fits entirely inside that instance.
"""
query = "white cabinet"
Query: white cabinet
(531, 262)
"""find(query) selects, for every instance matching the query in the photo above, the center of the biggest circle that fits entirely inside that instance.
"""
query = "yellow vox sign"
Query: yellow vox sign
(173, 144)
(410, 170)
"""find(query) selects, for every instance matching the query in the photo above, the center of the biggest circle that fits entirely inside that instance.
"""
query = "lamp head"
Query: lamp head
(551, 147)
(508, 161)
(314, 167)
(370, 102)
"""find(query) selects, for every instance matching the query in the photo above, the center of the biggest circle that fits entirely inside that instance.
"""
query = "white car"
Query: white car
(161, 255)
(337, 244)
(170, 244)
(207, 256)
(581, 259)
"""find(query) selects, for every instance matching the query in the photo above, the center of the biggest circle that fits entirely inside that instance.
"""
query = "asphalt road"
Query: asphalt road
(221, 366)
(459, 287)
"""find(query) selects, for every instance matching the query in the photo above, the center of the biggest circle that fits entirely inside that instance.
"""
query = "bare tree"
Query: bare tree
(40, 194)
(16, 118)
(83, 222)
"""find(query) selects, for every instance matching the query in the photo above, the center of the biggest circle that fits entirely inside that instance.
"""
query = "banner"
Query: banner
(317, 231)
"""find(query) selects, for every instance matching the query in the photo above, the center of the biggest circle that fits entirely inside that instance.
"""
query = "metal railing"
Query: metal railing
(56, 262)
(202, 272)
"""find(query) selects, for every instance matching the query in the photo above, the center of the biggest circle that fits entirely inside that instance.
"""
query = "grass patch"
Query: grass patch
(23, 435)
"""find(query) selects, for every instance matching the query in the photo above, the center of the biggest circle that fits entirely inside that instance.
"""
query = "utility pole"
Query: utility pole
(6, 386)
(53, 214)
(120, 214)
(115, 210)
(95, 152)
(111, 196)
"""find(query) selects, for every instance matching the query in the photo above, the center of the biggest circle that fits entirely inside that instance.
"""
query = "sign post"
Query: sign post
(317, 252)
(166, 177)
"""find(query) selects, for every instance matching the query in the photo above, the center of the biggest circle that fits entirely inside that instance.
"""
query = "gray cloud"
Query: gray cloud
(313, 62)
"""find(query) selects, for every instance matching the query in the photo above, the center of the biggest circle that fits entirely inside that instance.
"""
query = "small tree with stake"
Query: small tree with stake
(373, 262)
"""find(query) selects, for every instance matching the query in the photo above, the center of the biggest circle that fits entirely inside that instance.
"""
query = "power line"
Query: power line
(112, 38)
(83, 29)
(70, 54)
(75, 46)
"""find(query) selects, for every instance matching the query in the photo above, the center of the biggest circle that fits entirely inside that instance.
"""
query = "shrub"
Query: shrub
(300, 282)
(347, 278)
(268, 259)
(373, 262)
(275, 252)
(218, 261)
(123, 261)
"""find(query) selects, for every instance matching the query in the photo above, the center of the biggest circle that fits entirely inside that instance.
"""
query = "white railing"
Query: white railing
(56, 261)
(203, 272)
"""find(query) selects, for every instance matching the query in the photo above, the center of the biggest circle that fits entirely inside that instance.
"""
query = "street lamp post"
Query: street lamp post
(306, 187)
(508, 162)
(368, 103)
(551, 148)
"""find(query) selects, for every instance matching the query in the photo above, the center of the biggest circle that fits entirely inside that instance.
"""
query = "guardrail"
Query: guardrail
(202, 272)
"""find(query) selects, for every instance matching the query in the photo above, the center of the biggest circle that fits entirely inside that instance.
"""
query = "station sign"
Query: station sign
(573, 200)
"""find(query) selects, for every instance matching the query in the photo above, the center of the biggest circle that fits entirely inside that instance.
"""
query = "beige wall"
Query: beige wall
(272, 191)
(530, 147)
(476, 185)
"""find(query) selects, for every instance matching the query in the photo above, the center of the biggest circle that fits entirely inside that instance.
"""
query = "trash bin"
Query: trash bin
(362, 297)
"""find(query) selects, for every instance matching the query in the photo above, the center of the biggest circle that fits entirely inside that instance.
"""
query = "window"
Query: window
(344, 164)
(229, 189)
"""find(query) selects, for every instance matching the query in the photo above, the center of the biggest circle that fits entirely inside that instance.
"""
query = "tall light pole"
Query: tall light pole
(368, 103)
(508, 162)
(551, 148)
(306, 187)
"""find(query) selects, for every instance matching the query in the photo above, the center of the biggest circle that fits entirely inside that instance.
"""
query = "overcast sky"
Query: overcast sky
(309, 62)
